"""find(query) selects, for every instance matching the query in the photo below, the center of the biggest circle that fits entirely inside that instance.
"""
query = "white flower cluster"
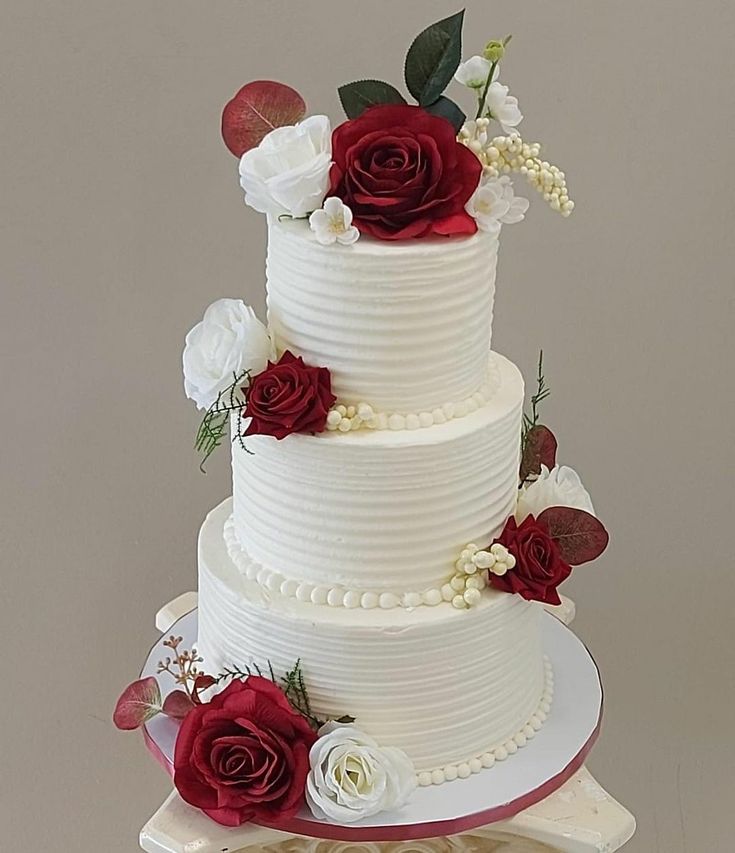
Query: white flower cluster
(465, 587)
(498, 103)
(503, 155)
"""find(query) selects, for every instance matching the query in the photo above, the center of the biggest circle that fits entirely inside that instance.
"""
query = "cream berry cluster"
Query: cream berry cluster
(346, 418)
(468, 581)
(501, 155)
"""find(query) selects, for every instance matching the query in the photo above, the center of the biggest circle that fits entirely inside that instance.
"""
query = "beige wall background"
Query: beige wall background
(122, 219)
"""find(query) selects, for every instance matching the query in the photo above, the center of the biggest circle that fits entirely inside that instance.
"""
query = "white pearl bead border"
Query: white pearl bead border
(336, 596)
(343, 418)
(489, 758)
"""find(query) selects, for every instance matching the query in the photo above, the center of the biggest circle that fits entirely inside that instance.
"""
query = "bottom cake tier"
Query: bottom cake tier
(455, 689)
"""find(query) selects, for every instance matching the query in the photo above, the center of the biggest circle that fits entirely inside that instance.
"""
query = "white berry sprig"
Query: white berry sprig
(466, 585)
(503, 155)
(347, 418)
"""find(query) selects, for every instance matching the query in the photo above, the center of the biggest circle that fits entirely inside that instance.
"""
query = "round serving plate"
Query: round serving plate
(554, 755)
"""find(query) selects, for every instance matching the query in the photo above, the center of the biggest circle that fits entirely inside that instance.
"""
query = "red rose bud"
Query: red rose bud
(403, 174)
(244, 755)
(289, 397)
(539, 567)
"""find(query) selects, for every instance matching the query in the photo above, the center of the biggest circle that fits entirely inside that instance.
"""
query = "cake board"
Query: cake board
(541, 793)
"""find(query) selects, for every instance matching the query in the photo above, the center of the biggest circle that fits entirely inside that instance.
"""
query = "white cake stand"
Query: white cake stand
(541, 794)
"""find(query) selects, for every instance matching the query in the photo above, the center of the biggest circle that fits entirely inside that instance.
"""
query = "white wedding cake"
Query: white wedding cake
(371, 597)
(337, 548)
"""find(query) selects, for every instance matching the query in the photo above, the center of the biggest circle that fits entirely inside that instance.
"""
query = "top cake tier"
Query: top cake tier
(404, 327)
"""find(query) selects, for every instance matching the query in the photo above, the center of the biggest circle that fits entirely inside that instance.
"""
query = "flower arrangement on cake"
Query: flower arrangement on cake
(392, 171)
(378, 202)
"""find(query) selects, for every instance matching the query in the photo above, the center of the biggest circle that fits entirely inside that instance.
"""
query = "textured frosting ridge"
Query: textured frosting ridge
(444, 685)
(380, 511)
(405, 327)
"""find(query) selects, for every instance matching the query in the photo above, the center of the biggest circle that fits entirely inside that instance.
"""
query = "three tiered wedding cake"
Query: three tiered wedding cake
(339, 547)
(397, 523)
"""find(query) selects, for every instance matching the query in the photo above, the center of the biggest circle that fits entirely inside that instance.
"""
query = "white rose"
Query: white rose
(228, 341)
(474, 72)
(559, 487)
(352, 777)
(288, 173)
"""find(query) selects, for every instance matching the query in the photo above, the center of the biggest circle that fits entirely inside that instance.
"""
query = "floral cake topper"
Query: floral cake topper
(400, 170)
(393, 171)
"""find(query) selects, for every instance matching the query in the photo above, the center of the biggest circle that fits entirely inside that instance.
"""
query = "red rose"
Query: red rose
(403, 174)
(244, 755)
(287, 397)
(539, 568)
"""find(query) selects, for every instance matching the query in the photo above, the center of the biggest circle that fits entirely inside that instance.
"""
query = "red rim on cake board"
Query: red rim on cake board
(556, 753)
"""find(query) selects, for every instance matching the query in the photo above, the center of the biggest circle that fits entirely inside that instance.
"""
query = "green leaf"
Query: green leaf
(214, 427)
(447, 109)
(433, 58)
(358, 96)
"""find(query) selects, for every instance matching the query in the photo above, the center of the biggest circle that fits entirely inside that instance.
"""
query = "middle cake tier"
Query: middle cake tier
(377, 517)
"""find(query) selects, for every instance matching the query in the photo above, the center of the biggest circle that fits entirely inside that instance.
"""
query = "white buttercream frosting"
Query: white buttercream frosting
(380, 511)
(405, 326)
(443, 685)
(343, 418)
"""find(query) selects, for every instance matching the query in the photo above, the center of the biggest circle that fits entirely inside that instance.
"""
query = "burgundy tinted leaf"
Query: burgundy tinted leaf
(580, 536)
(256, 109)
(177, 705)
(202, 682)
(539, 449)
(140, 701)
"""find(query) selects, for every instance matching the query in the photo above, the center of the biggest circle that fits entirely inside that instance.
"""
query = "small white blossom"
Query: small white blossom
(488, 205)
(503, 107)
(333, 223)
(494, 203)
(474, 72)
(517, 204)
